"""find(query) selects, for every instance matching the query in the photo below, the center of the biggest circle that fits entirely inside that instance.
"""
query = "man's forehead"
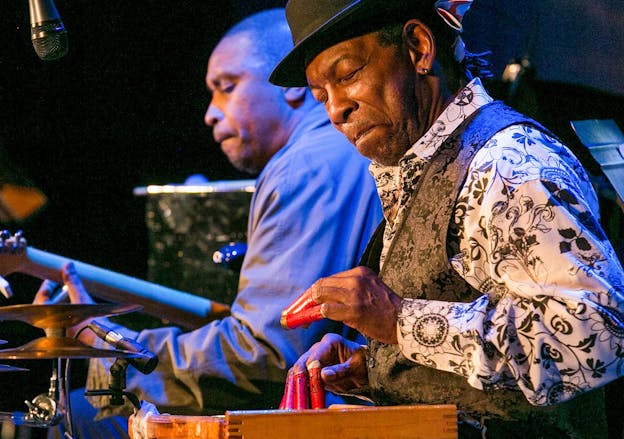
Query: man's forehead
(354, 48)
(232, 47)
(229, 56)
(234, 55)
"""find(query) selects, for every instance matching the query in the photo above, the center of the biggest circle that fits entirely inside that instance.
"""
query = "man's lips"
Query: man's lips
(362, 134)
(229, 144)
(222, 137)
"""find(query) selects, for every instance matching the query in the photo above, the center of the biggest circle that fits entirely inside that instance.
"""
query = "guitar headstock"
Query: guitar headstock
(13, 250)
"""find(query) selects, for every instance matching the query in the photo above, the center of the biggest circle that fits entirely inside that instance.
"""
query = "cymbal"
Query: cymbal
(6, 368)
(61, 347)
(62, 315)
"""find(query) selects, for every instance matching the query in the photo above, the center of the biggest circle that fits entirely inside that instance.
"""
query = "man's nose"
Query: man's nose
(213, 115)
(339, 107)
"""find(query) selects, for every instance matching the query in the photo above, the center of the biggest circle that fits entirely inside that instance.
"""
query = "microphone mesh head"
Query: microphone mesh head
(49, 40)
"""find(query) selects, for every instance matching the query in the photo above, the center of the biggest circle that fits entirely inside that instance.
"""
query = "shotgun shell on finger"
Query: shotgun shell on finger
(304, 301)
(317, 393)
(289, 393)
(302, 318)
(300, 382)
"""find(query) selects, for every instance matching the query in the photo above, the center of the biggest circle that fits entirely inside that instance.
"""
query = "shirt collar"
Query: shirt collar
(465, 102)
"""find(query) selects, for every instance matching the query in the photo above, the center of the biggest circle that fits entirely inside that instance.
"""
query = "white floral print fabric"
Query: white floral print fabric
(550, 321)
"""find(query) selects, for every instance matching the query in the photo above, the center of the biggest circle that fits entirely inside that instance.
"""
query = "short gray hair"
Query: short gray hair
(270, 34)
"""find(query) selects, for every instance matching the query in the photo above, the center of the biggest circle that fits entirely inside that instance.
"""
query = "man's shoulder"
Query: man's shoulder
(322, 144)
(524, 152)
(524, 136)
(324, 135)
(322, 155)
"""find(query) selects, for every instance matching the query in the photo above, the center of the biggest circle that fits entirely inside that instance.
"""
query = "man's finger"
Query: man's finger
(336, 377)
(44, 292)
(59, 295)
(330, 291)
(76, 290)
(335, 372)
(337, 311)
(358, 271)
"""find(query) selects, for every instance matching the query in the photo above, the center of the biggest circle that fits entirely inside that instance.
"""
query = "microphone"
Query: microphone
(47, 32)
(145, 363)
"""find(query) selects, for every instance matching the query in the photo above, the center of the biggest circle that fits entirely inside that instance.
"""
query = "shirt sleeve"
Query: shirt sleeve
(550, 319)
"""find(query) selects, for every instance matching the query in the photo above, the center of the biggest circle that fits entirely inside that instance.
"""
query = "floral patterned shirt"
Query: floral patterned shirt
(552, 311)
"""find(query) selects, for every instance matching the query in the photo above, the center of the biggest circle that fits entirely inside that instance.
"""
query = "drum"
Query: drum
(186, 225)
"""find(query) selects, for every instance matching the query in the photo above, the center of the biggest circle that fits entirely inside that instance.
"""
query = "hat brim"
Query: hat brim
(290, 72)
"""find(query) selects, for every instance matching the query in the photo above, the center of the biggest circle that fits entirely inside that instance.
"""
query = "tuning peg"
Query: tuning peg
(19, 242)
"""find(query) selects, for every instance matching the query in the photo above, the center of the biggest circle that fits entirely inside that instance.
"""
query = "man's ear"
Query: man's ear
(294, 95)
(420, 44)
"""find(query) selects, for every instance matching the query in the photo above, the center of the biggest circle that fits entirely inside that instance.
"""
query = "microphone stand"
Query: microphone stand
(117, 385)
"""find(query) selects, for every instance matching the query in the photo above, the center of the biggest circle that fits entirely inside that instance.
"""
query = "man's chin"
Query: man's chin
(380, 156)
(374, 146)
(240, 163)
(246, 167)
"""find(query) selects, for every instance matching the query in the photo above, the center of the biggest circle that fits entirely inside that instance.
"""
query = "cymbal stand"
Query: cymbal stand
(59, 382)
(48, 409)
(64, 398)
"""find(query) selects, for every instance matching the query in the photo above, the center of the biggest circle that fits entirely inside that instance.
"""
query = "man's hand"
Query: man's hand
(76, 294)
(343, 369)
(359, 299)
(343, 363)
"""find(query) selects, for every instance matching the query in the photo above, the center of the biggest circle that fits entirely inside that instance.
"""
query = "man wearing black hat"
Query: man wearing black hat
(491, 285)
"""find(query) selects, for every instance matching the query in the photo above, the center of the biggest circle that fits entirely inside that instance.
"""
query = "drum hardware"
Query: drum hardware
(44, 408)
(145, 364)
(117, 386)
(48, 409)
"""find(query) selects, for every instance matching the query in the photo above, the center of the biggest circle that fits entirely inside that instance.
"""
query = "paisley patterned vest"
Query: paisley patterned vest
(417, 266)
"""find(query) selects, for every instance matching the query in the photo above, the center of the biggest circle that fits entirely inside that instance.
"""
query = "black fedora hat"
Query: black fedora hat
(318, 24)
